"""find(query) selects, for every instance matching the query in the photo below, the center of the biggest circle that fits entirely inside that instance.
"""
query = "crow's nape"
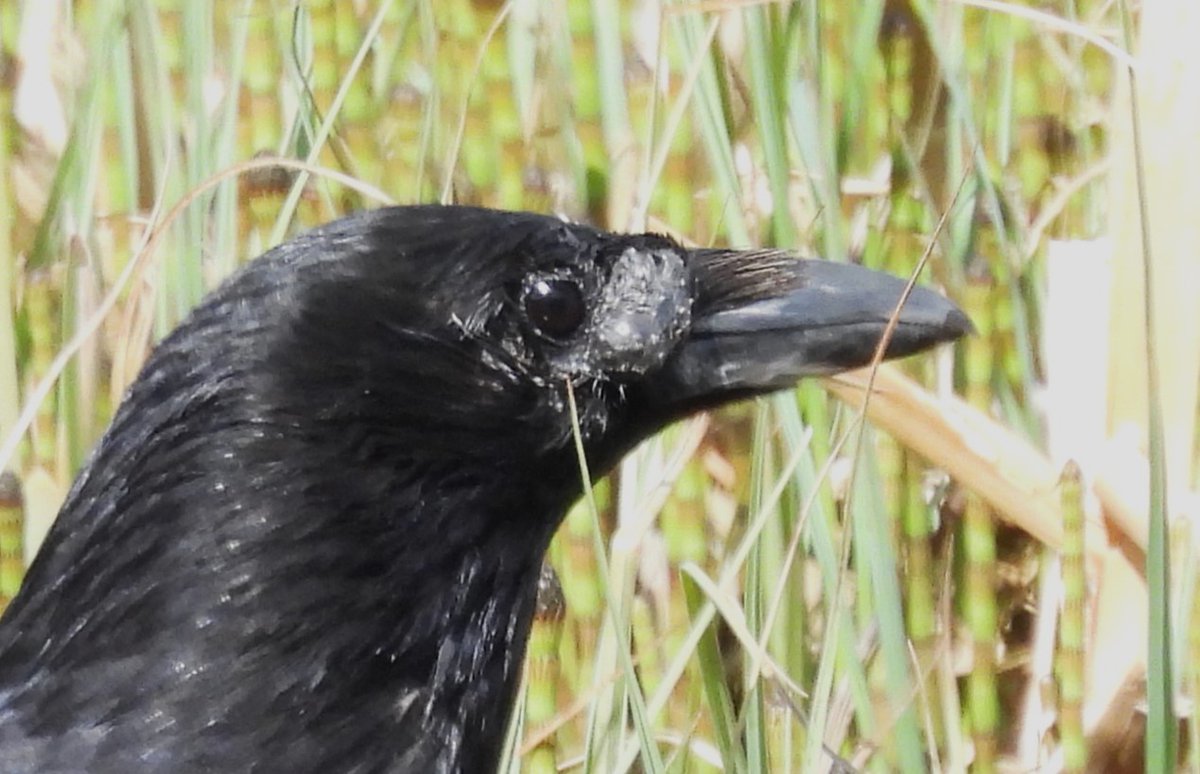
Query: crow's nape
(311, 538)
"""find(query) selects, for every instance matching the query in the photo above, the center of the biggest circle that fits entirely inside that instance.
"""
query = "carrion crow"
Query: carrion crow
(311, 538)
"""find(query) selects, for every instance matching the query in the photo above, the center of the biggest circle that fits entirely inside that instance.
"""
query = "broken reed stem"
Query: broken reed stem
(1072, 624)
(979, 550)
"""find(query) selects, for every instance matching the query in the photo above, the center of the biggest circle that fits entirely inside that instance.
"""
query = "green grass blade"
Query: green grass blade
(716, 690)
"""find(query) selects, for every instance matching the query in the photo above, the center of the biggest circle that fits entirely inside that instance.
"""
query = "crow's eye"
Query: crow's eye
(554, 306)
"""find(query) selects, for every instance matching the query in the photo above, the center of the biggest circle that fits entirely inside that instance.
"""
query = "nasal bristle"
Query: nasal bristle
(729, 278)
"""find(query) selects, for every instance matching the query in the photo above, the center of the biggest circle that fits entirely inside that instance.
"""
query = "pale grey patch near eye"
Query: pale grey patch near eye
(644, 308)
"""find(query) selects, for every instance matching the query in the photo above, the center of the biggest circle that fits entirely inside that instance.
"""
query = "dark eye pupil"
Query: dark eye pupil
(554, 306)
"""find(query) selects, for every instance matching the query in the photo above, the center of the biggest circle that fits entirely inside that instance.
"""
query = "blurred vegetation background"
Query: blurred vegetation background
(933, 589)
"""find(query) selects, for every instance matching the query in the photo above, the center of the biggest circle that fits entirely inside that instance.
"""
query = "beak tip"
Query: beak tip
(958, 324)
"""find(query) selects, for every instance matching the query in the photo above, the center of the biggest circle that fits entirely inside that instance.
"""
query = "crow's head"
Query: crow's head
(470, 324)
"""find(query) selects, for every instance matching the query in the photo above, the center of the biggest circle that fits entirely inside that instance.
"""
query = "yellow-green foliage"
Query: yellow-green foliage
(139, 168)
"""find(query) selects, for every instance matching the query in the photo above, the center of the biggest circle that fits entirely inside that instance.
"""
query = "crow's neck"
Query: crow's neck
(292, 598)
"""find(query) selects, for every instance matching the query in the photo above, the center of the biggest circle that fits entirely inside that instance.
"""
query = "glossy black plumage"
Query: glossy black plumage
(310, 540)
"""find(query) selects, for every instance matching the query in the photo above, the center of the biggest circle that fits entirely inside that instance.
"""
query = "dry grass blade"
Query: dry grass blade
(1010, 473)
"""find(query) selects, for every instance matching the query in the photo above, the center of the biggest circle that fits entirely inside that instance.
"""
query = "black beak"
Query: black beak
(762, 320)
